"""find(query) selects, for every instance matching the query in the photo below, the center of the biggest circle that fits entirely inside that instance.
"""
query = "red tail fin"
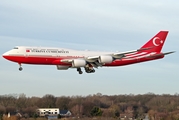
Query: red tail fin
(156, 42)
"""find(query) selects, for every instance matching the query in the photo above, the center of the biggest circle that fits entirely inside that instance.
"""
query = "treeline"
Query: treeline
(156, 106)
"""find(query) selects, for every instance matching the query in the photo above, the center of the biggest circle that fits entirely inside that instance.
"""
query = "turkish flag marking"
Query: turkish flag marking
(27, 50)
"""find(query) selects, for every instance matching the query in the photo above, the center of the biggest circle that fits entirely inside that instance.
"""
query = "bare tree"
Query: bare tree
(62, 102)
(47, 101)
(21, 101)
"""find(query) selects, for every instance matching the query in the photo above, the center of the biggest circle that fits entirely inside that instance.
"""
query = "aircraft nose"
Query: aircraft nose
(5, 54)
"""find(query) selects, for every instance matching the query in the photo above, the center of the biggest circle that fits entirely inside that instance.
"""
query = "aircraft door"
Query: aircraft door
(26, 52)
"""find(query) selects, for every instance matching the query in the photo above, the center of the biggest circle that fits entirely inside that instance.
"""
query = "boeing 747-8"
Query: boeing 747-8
(64, 58)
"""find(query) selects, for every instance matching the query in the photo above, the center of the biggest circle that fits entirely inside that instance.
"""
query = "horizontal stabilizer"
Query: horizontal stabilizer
(161, 54)
(168, 53)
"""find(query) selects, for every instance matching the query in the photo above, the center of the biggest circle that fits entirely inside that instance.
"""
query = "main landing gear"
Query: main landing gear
(87, 70)
(79, 71)
(20, 67)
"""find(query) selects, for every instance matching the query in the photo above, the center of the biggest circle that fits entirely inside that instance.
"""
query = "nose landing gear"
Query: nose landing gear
(20, 67)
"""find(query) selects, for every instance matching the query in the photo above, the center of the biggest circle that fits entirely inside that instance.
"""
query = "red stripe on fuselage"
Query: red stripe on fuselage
(132, 61)
(54, 60)
(41, 60)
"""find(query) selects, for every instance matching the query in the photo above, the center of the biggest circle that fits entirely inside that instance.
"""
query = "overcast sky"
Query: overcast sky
(105, 25)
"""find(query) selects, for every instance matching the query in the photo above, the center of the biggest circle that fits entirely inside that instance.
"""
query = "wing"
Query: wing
(99, 61)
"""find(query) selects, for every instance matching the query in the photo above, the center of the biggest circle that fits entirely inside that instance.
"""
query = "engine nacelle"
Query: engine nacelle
(78, 63)
(62, 67)
(105, 59)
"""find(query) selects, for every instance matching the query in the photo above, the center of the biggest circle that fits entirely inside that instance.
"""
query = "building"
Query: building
(48, 112)
(53, 112)
(12, 116)
(126, 116)
(65, 113)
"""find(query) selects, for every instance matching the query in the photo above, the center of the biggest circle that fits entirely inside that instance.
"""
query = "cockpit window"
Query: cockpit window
(15, 47)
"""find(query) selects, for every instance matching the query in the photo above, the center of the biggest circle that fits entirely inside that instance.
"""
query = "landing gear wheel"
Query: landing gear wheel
(89, 69)
(80, 72)
(78, 69)
(20, 69)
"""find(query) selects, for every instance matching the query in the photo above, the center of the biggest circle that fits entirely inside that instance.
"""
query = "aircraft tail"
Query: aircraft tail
(156, 43)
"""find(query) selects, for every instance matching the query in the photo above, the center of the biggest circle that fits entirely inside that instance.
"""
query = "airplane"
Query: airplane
(64, 58)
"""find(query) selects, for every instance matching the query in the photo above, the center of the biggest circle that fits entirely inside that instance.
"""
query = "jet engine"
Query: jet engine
(78, 63)
(105, 59)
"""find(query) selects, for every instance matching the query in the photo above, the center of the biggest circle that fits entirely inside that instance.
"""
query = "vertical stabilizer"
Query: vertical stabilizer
(156, 42)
